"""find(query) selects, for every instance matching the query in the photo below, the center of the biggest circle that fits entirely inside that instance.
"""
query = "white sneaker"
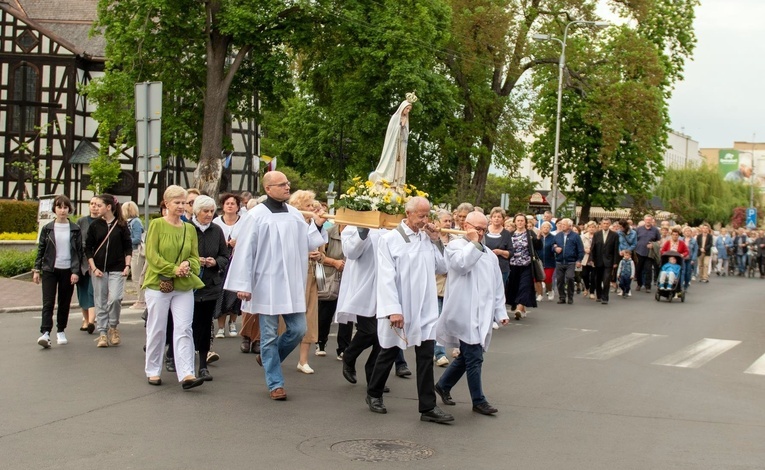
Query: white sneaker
(618, 292)
(629, 294)
(551, 295)
(442, 361)
(61, 338)
(304, 368)
(44, 340)
(232, 329)
(319, 352)
(494, 326)
(340, 357)
(221, 333)
(539, 298)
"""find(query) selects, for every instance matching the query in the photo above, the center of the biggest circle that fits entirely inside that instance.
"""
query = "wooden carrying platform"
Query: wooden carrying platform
(367, 219)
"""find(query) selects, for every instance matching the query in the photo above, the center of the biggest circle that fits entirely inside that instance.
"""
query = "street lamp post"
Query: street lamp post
(561, 65)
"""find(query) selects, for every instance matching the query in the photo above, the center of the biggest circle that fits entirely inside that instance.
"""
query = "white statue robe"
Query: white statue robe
(474, 295)
(270, 260)
(392, 166)
(406, 284)
(358, 288)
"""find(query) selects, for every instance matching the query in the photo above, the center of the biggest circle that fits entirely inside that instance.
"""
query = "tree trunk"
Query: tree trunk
(584, 216)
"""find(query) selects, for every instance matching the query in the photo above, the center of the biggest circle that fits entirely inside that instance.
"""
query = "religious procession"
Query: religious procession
(431, 279)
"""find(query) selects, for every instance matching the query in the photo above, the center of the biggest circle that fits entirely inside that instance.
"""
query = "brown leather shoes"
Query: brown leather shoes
(278, 394)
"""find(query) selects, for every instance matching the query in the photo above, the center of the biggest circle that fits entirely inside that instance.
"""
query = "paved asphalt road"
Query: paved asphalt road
(634, 385)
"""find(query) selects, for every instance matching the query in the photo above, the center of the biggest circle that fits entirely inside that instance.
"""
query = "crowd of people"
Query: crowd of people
(289, 273)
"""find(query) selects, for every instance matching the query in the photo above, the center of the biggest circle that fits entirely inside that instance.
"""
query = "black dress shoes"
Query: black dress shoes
(191, 383)
(436, 415)
(485, 409)
(156, 381)
(446, 397)
(349, 374)
(246, 344)
(403, 371)
(376, 405)
(256, 347)
(204, 374)
(570, 301)
(561, 301)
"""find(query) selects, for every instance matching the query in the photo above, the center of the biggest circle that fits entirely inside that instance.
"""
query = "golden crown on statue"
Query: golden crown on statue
(411, 97)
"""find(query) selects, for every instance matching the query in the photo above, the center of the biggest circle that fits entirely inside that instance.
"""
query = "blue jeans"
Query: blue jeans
(275, 349)
(469, 361)
(439, 350)
(687, 274)
(624, 284)
(742, 262)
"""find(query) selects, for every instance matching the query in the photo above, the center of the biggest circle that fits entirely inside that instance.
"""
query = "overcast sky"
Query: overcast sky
(722, 98)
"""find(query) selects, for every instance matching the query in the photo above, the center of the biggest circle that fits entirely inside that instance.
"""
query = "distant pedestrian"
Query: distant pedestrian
(569, 252)
(85, 285)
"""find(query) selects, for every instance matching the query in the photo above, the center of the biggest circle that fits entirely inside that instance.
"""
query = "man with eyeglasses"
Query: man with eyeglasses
(408, 259)
(269, 270)
(475, 299)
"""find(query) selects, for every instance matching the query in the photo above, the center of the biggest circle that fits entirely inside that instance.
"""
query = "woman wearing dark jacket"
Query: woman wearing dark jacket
(59, 255)
(109, 250)
(520, 292)
(213, 258)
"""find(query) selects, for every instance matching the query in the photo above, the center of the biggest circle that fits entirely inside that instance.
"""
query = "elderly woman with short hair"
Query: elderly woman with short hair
(172, 272)
(213, 258)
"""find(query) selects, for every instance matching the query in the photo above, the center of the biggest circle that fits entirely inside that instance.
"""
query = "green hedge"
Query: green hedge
(13, 263)
(18, 216)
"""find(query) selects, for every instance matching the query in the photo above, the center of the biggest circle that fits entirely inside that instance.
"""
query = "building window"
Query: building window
(25, 85)
(27, 41)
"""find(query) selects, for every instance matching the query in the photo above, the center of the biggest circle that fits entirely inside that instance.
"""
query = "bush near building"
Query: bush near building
(18, 216)
(13, 263)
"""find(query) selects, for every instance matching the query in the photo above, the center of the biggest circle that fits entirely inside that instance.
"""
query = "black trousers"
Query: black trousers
(200, 325)
(326, 313)
(588, 277)
(344, 333)
(59, 280)
(426, 392)
(603, 282)
(366, 336)
(644, 267)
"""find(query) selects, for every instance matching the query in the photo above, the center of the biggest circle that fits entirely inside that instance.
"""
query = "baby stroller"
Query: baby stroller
(676, 289)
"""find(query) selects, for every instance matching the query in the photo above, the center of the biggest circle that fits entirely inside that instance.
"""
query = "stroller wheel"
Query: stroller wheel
(682, 297)
(671, 297)
(658, 297)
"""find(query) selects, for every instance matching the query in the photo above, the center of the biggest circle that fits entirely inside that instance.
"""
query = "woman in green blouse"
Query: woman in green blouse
(172, 257)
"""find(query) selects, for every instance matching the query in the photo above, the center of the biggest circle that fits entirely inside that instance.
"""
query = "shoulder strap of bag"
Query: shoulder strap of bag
(403, 234)
(183, 243)
(106, 238)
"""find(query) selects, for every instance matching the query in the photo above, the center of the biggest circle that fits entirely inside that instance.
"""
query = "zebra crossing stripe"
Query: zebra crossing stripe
(757, 367)
(618, 346)
(698, 354)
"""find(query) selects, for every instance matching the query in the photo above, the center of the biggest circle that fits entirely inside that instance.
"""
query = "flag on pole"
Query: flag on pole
(270, 162)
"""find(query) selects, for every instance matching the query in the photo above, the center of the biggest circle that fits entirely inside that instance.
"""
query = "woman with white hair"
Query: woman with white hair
(213, 258)
(172, 272)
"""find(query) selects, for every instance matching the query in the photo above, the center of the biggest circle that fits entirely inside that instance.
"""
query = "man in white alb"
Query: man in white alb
(269, 268)
(475, 298)
(408, 259)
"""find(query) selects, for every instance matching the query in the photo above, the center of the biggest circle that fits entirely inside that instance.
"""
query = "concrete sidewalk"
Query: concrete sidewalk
(25, 296)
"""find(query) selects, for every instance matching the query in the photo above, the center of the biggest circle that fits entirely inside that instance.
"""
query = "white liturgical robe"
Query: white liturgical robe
(406, 284)
(270, 260)
(358, 288)
(474, 295)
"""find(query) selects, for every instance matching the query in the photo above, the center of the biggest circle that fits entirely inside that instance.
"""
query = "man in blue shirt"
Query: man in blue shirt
(569, 252)
(646, 235)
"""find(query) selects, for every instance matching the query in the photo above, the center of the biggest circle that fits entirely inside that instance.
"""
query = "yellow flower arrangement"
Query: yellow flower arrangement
(381, 196)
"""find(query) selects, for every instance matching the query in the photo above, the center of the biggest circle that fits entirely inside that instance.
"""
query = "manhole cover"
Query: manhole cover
(382, 450)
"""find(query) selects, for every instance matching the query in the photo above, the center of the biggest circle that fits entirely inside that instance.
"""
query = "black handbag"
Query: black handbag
(537, 268)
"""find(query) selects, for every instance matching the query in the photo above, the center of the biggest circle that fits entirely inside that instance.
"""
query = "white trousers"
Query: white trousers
(181, 304)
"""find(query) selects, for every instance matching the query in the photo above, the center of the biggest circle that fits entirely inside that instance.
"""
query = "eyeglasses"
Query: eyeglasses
(281, 185)
(477, 229)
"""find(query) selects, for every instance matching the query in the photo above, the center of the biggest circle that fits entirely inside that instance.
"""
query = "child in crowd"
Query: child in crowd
(669, 272)
(626, 273)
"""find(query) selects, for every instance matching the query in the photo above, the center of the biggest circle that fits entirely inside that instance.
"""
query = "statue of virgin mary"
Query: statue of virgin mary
(392, 166)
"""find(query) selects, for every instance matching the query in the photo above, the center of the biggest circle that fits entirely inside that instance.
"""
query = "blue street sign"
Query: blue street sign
(751, 217)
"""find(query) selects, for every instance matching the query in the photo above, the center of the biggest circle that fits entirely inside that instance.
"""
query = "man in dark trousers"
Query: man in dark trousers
(646, 235)
(569, 252)
(605, 254)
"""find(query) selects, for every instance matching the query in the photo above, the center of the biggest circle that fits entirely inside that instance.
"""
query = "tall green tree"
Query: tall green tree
(615, 115)
(212, 58)
(351, 76)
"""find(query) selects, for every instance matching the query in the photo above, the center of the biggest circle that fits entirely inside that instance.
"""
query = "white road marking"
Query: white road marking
(757, 367)
(618, 346)
(581, 329)
(698, 354)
